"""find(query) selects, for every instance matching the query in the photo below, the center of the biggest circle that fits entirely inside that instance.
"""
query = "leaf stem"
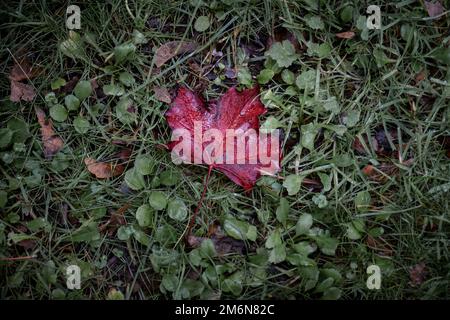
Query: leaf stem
(199, 204)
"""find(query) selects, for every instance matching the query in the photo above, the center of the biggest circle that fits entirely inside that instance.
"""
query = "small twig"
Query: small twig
(194, 216)
(18, 258)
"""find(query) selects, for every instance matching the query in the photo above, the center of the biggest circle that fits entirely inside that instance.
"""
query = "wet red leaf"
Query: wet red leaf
(235, 110)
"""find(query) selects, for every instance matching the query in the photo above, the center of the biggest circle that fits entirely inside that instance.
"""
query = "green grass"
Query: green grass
(372, 75)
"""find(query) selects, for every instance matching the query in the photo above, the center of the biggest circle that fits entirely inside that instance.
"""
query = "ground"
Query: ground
(365, 174)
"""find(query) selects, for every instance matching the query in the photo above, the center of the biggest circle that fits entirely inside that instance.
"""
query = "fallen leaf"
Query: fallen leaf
(417, 274)
(21, 91)
(420, 76)
(103, 170)
(345, 35)
(235, 110)
(434, 8)
(171, 49)
(116, 220)
(222, 243)
(123, 155)
(279, 34)
(382, 172)
(162, 94)
(52, 142)
(23, 70)
(69, 86)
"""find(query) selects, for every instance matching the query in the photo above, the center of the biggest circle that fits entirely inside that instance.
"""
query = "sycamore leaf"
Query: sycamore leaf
(235, 110)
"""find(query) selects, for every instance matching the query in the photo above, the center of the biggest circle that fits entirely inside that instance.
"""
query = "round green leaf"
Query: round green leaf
(124, 51)
(113, 90)
(126, 78)
(201, 24)
(292, 183)
(283, 210)
(20, 130)
(169, 178)
(144, 164)
(265, 76)
(58, 83)
(81, 125)
(362, 201)
(3, 198)
(72, 103)
(125, 111)
(134, 179)
(144, 215)
(83, 89)
(5, 137)
(158, 200)
(306, 80)
(320, 200)
(177, 210)
(58, 113)
(288, 76)
(304, 223)
(347, 14)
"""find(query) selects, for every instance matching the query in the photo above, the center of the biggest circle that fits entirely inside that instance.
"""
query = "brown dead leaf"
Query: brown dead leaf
(23, 70)
(279, 35)
(162, 94)
(116, 220)
(171, 49)
(52, 142)
(434, 8)
(345, 35)
(123, 155)
(417, 274)
(103, 170)
(222, 243)
(21, 91)
(381, 173)
(420, 77)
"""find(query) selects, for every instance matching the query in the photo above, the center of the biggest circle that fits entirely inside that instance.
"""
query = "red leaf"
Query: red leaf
(235, 110)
